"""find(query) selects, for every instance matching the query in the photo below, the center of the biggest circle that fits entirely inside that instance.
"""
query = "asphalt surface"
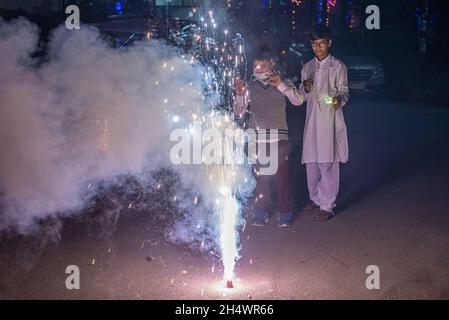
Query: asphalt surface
(393, 212)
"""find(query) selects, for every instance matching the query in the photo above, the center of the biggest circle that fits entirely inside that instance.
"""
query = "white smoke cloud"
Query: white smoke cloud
(89, 113)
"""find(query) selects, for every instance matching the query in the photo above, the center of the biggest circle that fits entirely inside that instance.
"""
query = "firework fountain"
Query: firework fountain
(223, 57)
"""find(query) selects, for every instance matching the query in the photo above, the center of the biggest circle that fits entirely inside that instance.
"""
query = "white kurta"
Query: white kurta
(325, 137)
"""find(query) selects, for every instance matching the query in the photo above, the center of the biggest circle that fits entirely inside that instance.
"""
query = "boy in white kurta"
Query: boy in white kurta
(325, 84)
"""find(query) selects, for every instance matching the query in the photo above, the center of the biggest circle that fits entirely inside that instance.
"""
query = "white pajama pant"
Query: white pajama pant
(323, 180)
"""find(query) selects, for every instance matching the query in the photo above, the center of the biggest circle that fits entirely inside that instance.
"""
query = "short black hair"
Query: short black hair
(265, 54)
(320, 32)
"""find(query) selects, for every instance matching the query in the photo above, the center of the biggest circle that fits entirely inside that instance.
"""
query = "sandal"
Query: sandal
(324, 215)
(310, 206)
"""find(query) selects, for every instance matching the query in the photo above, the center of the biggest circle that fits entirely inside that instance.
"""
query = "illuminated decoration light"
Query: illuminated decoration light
(319, 15)
(119, 7)
(330, 5)
(324, 12)
(294, 17)
(349, 18)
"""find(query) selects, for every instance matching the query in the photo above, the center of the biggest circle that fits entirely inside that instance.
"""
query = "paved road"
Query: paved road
(393, 212)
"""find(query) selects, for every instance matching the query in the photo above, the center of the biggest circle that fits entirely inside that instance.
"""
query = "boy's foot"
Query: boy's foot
(285, 220)
(310, 206)
(260, 219)
(324, 215)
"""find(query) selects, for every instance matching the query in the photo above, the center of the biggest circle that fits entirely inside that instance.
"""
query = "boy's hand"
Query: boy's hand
(336, 103)
(307, 85)
(239, 86)
(275, 79)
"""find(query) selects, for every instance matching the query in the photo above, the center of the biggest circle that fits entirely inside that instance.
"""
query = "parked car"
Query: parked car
(364, 72)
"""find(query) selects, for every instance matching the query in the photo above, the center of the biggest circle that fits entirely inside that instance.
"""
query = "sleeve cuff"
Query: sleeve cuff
(282, 87)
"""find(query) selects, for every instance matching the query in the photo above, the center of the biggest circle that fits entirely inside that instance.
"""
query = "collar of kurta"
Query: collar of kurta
(323, 63)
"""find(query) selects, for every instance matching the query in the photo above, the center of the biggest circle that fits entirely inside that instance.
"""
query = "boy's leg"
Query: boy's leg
(283, 186)
(262, 200)
(282, 179)
(262, 195)
(329, 185)
(313, 181)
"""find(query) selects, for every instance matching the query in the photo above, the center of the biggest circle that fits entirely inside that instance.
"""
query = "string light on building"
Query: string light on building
(319, 14)
(350, 16)
(330, 5)
(295, 5)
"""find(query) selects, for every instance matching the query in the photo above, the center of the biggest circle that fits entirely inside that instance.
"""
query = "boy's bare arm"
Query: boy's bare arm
(240, 105)
(241, 100)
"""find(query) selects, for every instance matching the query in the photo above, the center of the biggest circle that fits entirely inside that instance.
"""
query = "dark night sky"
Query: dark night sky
(396, 41)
